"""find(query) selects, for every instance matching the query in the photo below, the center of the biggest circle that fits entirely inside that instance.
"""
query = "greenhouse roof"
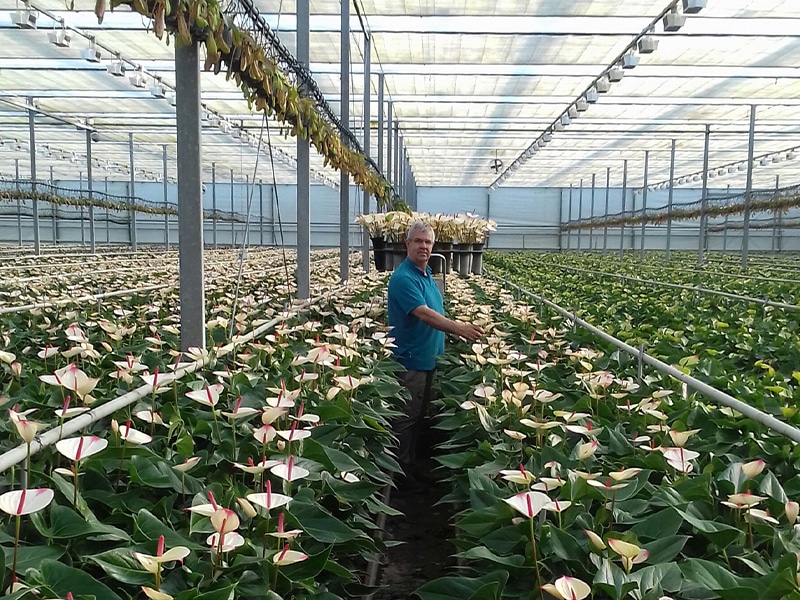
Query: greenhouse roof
(471, 82)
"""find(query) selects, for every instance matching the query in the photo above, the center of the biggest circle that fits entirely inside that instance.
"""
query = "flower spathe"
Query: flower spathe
(568, 588)
(753, 468)
(81, 447)
(230, 541)
(289, 471)
(152, 564)
(25, 502)
(224, 520)
(529, 504)
(208, 396)
(155, 594)
(631, 554)
(288, 557)
(129, 434)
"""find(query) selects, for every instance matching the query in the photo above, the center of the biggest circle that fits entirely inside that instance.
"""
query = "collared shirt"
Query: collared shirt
(418, 344)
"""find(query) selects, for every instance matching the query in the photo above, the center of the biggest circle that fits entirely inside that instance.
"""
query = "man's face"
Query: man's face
(419, 248)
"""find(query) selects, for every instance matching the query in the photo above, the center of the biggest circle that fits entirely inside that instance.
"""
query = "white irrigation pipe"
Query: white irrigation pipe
(710, 392)
(51, 436)
(86, 298)
(691, 288)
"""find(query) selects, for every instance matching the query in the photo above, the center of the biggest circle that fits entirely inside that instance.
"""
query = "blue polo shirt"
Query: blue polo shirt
(418, 344)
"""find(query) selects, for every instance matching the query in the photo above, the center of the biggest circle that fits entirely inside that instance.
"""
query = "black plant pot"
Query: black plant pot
(379, 253)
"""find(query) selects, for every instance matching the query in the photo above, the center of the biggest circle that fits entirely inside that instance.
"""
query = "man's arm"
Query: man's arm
(442, 323)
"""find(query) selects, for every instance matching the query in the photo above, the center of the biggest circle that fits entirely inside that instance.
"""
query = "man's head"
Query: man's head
(419, 243)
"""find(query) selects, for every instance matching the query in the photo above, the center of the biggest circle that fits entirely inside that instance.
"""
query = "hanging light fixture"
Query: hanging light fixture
(26, 18)
(674, 20)
(137, 79)
(630, 60)
(91, 54)
(60, 37)
(647, 44)
(615, 74)
(602, 85)
(693, 6)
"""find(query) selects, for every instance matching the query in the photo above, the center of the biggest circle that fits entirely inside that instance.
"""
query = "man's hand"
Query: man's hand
(469, 331)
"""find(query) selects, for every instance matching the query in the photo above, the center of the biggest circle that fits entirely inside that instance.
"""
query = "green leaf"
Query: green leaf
(661, 524)
(122, 566)
(665, 549)
(563, 545)
(224, 593)
(612, 580)
(153, 473)
(65, 524)
(483, 553)
(30, 557)
(151, 528)
(62, 579)
(771, 487)
(319, 523)
(716, 578)
(664, 577)
(490, 586)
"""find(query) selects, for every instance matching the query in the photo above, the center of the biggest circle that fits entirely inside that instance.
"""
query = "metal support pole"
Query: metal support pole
(303, 166)
(166, 203)
(214, 204)
(580, 214)
(190, 197)
(669, 200)
(777, 230)
(108, 216)
(37, 244)
(701, 248)
(569, 218)
(19, 202)
(381, 130)
(725, 225)
(53, 209)
(260, 212)
(624, 199)
(132, 218)
(749, 191)
(591, 215)
(90, 193)
(344, 181)
(233, 224)
(393, 166)
(605, 217)
(367, 119)
(644, 203)
(389, 130)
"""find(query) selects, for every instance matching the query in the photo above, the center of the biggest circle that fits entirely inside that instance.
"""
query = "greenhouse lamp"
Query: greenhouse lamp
(116, 68)
(790, 155)
(572, 112)
(91, 54)
(60, 37)
(591, 96)
(630, 60)
(581, 105)
(602, 85)
(763, 162)
(648, 44)
(776, 158)
(615, 74)
(25, 19)
(674, 20)
(137, 79)
(692, 7)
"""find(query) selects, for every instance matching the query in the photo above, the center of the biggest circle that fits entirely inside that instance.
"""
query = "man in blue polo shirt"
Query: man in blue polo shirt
(416, 315)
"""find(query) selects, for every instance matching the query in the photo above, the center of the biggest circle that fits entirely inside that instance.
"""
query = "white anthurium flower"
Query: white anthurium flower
(545, 396)
(584, 475)
(265, 434)
(289, 471)
(64, 472)
(584, 451)
(269, 500)
(187, 464)
(305, 376)
(70, 412)
(607, 486)
(294, 434)
(487, 392)
(129, 434)
(257, 468)
(514, 435)
(761, 515)
(348, 477)
(7, 357)
(47, 352)
(241, 412)
(743, 500)
(469, 405)
(791, 509)
(158, 381)
(282, 401)
(680, 454)
(247, 508)
(230, 541)
(306, 418)
(519, 475)
(662, 393)
(282, 533)
(595, 541)
(269, 414)
(288, 557)
(148, 416)
(557, 505)
(658, 428)
(208, 396)
(130, 364)
(539, 425)
(624, 474)
(570, 417)
(81, 447)
(205, 510)
(75, 333)
(26, 501)
(547, 484)
(684, 466)
(658, 414)
(152, 564)
(591, 432)
(224, 520)
(568, 588)
(155, 594)
(529, 504)
(631, 554)
(679, 438)
(72, 378)
(554, 440)
(753, 468)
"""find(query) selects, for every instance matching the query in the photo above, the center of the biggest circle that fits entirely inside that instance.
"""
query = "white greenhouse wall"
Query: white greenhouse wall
(527, 218)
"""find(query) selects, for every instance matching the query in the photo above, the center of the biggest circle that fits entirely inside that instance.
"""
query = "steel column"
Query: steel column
(214, 204)
(260, 212)
(131, 200)
(624, 199)
(108, 216)
(749, 191)
(90, 193)
(667, 255)
(776, 220)
(344, 178)
(580, 214)
(190, 197)
(53, 206)
(303, 166)
(644, 203)
(19, 202)
(605, 217)
(37, 244)
(701, 248)
(569, 218)
(591, 215)
(166, 203)
(80, 193)
(380, 122)
(233, 223)
(396, 160)
(367, 118)
(389, 130)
